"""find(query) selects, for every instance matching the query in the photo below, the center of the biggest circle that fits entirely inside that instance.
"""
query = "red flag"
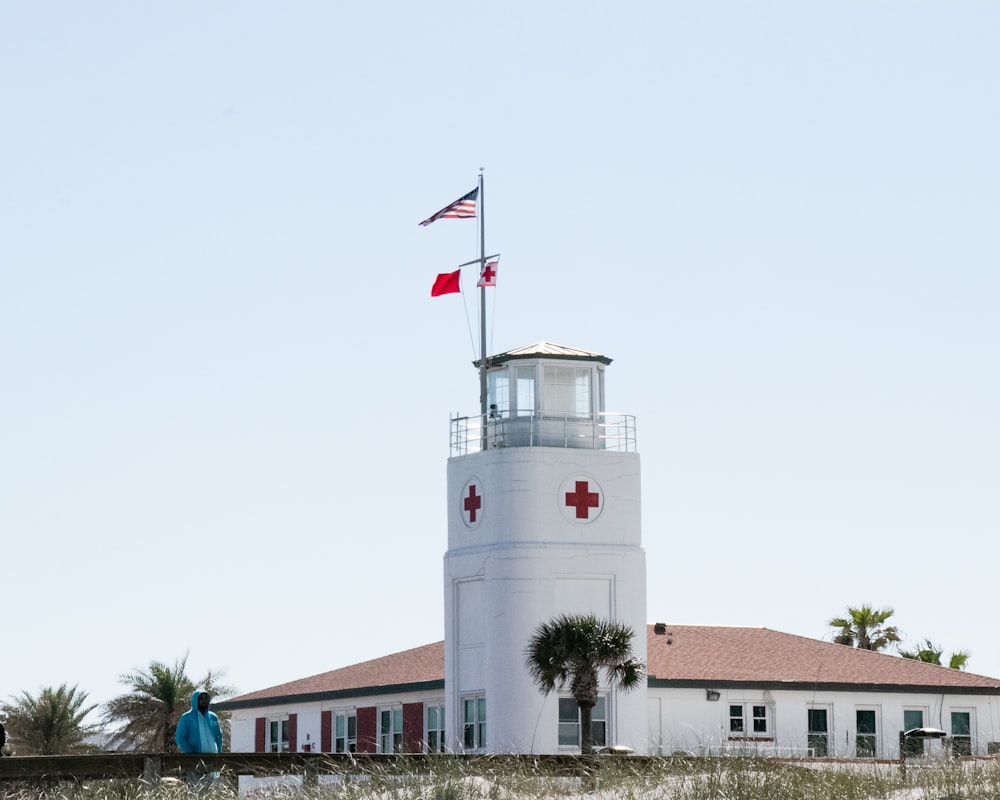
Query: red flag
(463, 208)
(489, 274)
(446, 283)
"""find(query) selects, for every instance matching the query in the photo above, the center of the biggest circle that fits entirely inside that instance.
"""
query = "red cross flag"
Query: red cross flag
(489, 274)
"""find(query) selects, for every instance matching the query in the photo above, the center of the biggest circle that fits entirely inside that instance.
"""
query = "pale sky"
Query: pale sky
(226, 389)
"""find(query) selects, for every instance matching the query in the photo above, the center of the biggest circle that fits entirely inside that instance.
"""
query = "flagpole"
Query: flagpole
(482, 311)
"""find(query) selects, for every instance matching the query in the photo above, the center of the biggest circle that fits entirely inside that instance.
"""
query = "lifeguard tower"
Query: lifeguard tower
(543, 519)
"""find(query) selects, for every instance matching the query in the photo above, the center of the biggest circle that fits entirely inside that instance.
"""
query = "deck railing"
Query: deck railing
(602, 431)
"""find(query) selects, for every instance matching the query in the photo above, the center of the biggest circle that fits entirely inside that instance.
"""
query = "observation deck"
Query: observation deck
(544, 395)
(604, 430)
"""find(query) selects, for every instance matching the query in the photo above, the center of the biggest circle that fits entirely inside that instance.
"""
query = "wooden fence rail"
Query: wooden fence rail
(153, 766)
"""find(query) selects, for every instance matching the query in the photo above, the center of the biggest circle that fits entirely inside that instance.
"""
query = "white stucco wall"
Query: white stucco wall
(524, 561)
(688, 722)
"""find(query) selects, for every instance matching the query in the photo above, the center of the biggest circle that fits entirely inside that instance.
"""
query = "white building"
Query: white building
(543, 519)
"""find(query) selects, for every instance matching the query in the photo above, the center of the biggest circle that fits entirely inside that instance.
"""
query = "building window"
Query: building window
(277, 736)
(390, 730)
(474, 723)
(498, 390)
(525, 394)
(819, 733)
(569, 722)
(913, 718)
(747, 720)
(434, 738)
(345, 732)
(961, 733)
(866, 734)
(567, 390)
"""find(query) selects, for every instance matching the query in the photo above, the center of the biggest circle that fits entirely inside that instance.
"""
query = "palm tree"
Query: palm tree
(572, 649)
(51, 723)
(865, 628)
(157, 697)
(930, 653)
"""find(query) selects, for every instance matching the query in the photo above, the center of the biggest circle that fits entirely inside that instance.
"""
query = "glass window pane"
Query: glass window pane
(569, 711)
(866, 721)
(569, 734)
(960, 723)
(582, 385)
(567, 389)
(817, 720)
(818, 744)
(498, 390)
(599, 729)
(524, 401)
(912, 718)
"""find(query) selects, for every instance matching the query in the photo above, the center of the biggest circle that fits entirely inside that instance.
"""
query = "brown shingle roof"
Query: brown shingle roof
(704, 653)
(682, 655)
(419, 665)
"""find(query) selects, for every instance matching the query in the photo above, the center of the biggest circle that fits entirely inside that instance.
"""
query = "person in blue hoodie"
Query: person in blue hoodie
(198, 731)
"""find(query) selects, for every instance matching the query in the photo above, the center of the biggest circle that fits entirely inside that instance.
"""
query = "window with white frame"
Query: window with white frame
(345, 732)
(434, 738)
(866, 733)
(390, 730)
(474, 723)
(819, 732)
(748, 720)
(913, 718)
(524, 395)
(277, 735)
(961, 733)
(567, 390)
(498, 390)
(570, 725)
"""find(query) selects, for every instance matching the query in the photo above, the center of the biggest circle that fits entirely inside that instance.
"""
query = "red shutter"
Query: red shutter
(326, 732)
(259, 735)
(413, 727)
(367, 730)
(293, 733)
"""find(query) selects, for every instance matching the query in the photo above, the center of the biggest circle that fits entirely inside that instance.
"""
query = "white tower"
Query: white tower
(543, 519)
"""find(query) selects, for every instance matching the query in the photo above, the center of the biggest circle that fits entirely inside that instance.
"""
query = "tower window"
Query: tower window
(474, 723)
(569, 722)
(567, 390)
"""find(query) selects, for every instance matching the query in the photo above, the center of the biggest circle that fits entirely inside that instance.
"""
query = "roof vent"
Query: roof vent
(660, 628)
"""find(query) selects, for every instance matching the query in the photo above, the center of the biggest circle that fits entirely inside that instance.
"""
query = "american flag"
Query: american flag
(463, 208)
(489, 275)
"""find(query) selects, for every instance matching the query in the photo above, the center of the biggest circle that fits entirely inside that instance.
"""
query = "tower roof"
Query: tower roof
(544, 349)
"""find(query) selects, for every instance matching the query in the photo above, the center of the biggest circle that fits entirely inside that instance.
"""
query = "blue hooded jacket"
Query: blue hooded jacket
(189, 730)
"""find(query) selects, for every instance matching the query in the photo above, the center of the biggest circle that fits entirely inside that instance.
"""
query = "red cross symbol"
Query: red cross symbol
(488, 277)
(473, 502)
(582, 499)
